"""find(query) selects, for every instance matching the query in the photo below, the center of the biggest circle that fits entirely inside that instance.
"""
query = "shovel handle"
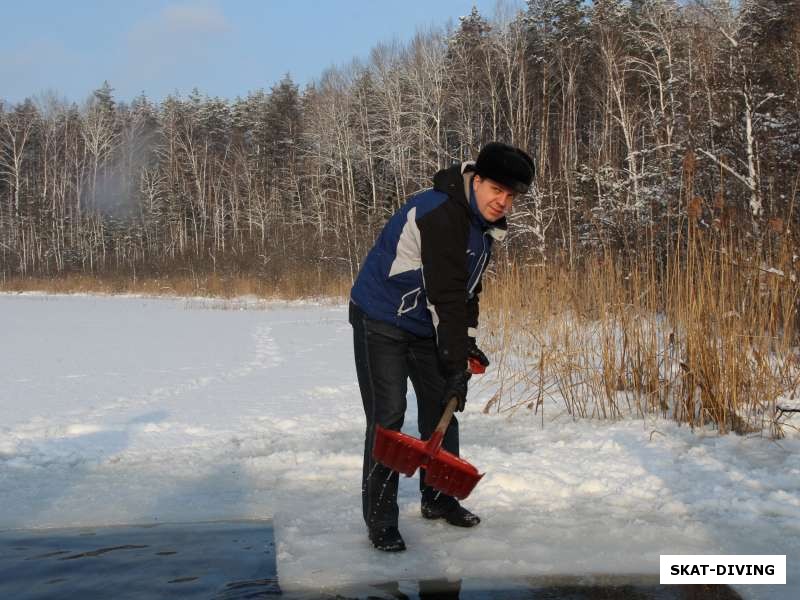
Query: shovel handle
(435, 443)
(476, 368)
(447, 415)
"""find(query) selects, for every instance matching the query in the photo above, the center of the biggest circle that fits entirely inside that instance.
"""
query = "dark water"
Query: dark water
(231, 560)
(225, 560)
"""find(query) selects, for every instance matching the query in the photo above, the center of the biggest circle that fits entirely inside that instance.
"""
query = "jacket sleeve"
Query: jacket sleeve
(444, 234)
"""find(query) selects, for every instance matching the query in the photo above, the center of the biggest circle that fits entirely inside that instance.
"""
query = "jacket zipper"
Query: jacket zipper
(479, 267)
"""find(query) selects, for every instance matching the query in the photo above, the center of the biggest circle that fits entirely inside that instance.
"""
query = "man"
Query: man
(414, 312)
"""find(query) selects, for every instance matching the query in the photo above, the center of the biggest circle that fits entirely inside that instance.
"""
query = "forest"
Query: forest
(640, 115)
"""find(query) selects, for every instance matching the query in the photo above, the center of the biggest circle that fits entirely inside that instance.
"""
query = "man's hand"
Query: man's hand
(456, 387)
(475, 352)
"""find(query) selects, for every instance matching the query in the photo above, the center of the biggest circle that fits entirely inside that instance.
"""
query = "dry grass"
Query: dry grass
(709, 338)
(298, 285)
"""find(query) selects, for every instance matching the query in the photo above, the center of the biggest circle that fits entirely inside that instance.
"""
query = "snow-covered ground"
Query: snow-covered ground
(135, 410)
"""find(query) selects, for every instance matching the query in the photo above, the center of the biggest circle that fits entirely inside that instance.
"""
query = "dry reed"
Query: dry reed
(708, 338)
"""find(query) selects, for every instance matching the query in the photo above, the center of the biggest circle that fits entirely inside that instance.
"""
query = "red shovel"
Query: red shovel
(444, 471)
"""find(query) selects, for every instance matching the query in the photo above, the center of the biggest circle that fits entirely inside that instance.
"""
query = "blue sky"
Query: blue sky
(224, 48)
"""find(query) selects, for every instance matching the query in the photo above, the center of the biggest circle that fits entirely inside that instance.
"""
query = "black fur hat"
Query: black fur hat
(507, 165)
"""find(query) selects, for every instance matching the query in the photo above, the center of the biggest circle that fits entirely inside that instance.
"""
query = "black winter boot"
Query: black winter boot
(451, 511)
(387, 539)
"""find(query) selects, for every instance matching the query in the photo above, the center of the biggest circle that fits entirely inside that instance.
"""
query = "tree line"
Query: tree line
(640, 115)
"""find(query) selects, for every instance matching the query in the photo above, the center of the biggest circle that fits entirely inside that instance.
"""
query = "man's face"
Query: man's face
(493, 199)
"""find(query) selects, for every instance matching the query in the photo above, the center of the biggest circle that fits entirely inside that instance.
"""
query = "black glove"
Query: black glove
(476, 352)
(456, 386)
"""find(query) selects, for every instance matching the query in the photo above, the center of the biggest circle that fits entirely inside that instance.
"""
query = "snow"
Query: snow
(131, 410)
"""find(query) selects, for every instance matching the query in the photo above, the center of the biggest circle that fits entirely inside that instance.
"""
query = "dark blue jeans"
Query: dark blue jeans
(386, 357)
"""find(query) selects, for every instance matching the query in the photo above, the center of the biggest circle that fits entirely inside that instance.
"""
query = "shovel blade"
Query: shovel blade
(444, 471)
(451, 475)
(398, 451)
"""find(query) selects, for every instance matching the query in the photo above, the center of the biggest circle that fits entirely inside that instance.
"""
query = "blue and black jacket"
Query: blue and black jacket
(424, 272)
